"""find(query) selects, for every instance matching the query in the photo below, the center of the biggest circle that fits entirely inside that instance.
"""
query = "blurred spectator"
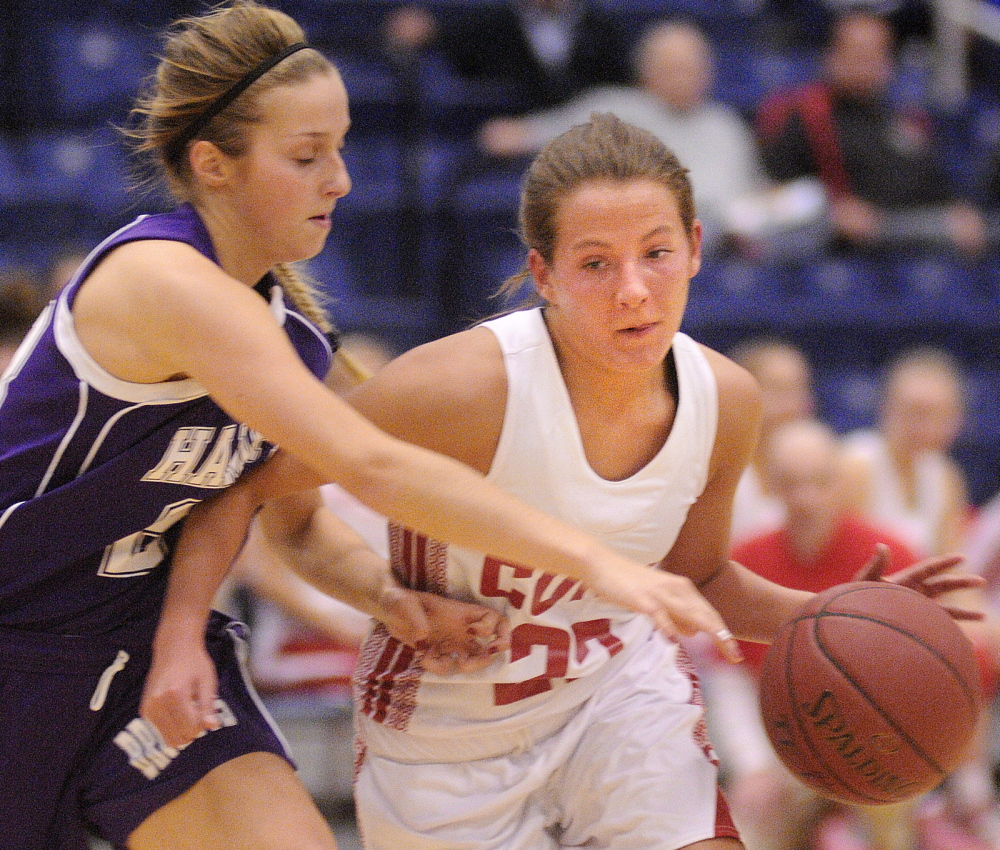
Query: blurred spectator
(821, 543)
(20, 303)
(881, 164)
(786, 383)
(900, 472)
(674, 70)
(901, 476)
(546, 49)
(62, 266)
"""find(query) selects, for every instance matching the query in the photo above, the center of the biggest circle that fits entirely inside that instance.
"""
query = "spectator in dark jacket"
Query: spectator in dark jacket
(881, 163)
(547, 49)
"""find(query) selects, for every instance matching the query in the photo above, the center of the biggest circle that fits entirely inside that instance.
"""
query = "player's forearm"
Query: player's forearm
(449, 501)
(327, 554)
(213, 535)
(753, 607)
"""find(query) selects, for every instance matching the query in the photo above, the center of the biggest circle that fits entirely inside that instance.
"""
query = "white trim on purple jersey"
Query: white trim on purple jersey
(97, 474)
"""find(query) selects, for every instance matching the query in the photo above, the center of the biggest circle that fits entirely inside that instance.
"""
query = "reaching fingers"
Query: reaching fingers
(925, 569)
(488, 634)
(879, 563)
(727, 645)
(464, 637)
(682, 610)
(205, 699)
(931, 578)
(966, 614)
(436, 660)
(177, 717)
(940, 585)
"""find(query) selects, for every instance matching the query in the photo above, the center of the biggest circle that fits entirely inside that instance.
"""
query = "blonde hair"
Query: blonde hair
(203, 58)
(605, 148)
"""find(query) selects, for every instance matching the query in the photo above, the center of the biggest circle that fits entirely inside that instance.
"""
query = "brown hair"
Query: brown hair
(203, 57)
(605, 148)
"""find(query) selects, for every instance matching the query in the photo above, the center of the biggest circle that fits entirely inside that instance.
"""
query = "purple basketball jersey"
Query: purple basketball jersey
(97, 474)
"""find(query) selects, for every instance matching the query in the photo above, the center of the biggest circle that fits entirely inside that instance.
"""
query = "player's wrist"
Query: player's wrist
(180, 630)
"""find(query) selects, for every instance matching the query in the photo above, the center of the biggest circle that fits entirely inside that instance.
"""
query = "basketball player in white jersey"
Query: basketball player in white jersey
(182, 352)
(593, 407)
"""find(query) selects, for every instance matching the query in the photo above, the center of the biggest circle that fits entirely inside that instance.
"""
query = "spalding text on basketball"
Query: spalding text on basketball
(862, 755)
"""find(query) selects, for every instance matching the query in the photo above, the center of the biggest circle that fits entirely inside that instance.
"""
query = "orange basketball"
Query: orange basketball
(870, 694)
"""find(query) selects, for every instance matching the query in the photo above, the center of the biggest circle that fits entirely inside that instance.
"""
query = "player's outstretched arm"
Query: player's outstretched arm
(175, 313)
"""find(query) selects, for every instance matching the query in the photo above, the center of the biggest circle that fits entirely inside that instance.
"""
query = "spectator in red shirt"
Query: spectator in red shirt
(820, 544)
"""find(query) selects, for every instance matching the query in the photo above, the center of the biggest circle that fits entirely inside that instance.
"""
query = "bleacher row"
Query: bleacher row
(428, 231)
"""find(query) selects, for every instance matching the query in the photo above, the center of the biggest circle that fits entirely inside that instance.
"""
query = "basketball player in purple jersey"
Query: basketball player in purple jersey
(181, 353)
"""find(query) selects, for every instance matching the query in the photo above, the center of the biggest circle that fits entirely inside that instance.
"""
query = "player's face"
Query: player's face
(290, 178)
(618, 281)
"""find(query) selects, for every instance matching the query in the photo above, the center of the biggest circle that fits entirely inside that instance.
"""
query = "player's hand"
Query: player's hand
(464, 637)
(931, 577)
(673, 602)
(180, 693)
(452, 636)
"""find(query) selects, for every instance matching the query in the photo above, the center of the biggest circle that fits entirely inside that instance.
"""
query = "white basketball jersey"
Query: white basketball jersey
(561, 634)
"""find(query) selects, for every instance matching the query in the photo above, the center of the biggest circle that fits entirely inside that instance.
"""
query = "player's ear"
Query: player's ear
(695, 240)
(540, 272)
(209, 164)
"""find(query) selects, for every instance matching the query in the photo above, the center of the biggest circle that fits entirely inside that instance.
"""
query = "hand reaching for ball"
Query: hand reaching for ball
(932, 577)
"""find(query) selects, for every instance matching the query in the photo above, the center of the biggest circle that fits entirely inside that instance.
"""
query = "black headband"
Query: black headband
(228, 96)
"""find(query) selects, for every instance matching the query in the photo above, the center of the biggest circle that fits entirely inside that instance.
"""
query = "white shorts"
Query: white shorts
(630, 770)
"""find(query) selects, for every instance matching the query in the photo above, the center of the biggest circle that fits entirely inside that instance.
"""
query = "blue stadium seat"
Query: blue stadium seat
(738, 81)
(848, 397)
(978, 448)
(11, 176)
(480, 245)
(717, 16)
(845, 290)
(935, 276)
(983, 395)
(776, 70)
(86, 170)
(454, 107)
(740, 293)
(340, 25)
(90, 69)
(70, 185)
(357, 304)
(374, 93)
(376, 165)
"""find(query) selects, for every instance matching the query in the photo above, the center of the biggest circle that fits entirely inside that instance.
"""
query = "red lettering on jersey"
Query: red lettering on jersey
(599, 630)
(539, 605)
(490, 582)
(522, 639)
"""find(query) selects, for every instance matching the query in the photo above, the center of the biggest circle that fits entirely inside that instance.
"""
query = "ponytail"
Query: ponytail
(303, 294)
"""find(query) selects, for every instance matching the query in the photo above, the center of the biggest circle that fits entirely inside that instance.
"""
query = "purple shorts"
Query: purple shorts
(74, 756)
